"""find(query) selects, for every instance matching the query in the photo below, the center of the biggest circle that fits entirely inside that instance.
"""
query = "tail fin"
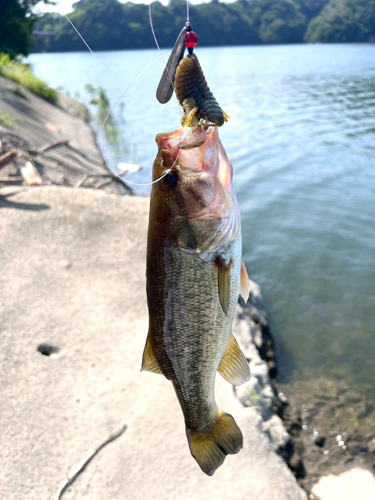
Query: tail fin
(210, 450)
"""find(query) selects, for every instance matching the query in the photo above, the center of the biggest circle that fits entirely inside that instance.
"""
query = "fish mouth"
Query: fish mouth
(196, 150)
(201, 206)
(184, 138)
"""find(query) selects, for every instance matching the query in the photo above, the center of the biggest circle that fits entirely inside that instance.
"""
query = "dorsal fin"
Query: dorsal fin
(234, 366)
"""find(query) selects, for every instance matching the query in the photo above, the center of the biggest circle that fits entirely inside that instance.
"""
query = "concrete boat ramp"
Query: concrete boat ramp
(74, 323)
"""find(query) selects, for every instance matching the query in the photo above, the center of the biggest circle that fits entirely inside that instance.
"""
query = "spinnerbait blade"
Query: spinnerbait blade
(166, 85)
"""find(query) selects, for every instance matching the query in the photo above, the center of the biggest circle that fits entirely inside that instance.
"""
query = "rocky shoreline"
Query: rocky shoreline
(279, 420)
(320, 426)
(332, 426)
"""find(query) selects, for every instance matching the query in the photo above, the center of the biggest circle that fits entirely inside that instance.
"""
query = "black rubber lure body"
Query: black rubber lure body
(195, 96)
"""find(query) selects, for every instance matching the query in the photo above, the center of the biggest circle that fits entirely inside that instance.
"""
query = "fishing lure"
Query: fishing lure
(185, 75)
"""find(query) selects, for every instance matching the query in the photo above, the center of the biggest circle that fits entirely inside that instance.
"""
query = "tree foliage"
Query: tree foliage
(278, 22)
(311, 8)
(110, 25)
(16, 24)
(344, 21)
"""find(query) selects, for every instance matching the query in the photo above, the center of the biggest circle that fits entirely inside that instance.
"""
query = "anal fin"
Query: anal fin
(224, 278)
(149, 362)
(245, 282)
(234, 367)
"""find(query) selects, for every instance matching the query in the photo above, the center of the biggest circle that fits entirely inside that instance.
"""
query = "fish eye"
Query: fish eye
(171, 179)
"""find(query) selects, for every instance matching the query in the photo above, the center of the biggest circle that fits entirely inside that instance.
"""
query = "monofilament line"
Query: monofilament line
(187, 11)
(186, 133)
(152, 26)
(156, 40)
(81, 37)
(125, 91)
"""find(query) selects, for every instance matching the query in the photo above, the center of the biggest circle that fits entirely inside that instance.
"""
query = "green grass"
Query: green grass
(19, 90)
(21, 73)
(4, 120)
(113, 128)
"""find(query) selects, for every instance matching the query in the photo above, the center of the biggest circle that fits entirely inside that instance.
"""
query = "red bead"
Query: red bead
(191, 39)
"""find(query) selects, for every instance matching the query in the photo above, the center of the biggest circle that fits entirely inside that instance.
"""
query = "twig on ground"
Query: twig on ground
(21, 143)
(7, 158)
(105, 182)
(81, 466)
(50, 146)
(11, 180)
(13, 147)
(84, 155)
(81, 181)
(66, 144)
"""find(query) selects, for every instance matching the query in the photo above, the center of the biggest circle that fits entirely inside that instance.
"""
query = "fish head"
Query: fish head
(194, 199)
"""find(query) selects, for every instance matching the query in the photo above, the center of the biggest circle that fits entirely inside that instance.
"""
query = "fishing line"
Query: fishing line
(123, 94)
(81, 37)
(186, 133)
(156, 40)
(152, 26)
(187, 11)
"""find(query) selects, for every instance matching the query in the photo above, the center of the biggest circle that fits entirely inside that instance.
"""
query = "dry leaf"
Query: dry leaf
(51, 127)
(31, 175)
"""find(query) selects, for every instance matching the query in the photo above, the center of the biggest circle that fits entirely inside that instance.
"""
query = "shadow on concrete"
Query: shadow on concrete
(5, 203)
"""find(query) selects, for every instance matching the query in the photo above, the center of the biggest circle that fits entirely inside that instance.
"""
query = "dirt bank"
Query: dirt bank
(56, 140)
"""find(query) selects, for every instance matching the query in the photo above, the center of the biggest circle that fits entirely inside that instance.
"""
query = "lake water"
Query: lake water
(302, 142)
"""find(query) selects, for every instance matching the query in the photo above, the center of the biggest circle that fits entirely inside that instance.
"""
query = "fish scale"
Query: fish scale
(183, 350)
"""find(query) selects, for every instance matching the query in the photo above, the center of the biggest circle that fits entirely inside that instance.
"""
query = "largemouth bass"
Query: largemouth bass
(194, 275)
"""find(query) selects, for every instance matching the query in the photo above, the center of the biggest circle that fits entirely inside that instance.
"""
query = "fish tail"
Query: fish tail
(210, 450)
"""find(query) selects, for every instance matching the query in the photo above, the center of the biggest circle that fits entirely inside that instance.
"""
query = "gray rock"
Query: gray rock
(278, 435)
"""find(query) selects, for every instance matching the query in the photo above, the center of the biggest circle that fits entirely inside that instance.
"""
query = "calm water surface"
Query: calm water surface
(302, 143)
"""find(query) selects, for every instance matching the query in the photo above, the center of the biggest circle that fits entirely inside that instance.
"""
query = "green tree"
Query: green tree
(110, 25)
(105, 25)
(278, 21)
(343, 21)
(311, 8)
(16, 24)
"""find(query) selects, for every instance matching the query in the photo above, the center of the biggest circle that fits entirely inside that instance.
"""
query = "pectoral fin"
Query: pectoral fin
(149, 362)
(234, 366)
(245, 282)
(224, 275)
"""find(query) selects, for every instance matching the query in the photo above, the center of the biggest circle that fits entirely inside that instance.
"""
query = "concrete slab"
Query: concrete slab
(349, 485)
(73, 277)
